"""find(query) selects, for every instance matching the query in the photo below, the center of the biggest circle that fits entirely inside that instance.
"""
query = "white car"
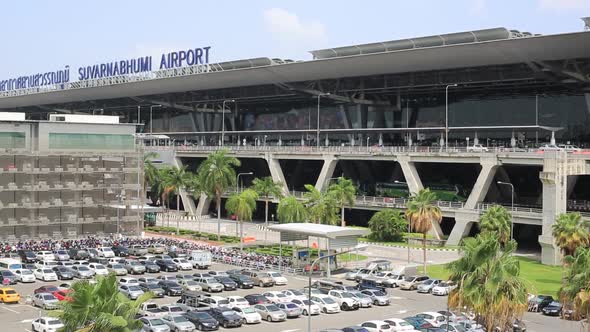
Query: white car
(278, 278)
(307, 306)
(25, 275)
(46, 264)
(99, 269)
(399, 325)
(327, 304)
(550, 147)
(276, 297)
(216, 301)
(45, 255)
(248, 314)
(345, 299)
(377, 326)
(570, 148)
(237, 302)
(477, 148)
(293, 294)
(183, 264)
(105, 252)
(45, 274)
(128, 281)
(46, 324)
(444, 288)
(434, 318)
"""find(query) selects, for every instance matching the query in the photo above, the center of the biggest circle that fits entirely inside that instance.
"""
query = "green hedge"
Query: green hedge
(194, 234)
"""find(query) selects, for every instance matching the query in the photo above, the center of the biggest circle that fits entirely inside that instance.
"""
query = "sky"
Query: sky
(41, 36)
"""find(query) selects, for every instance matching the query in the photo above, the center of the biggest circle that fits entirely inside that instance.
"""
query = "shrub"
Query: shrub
(387, 225)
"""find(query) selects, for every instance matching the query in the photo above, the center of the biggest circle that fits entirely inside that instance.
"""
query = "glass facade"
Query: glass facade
(90, 141)
(12, 140)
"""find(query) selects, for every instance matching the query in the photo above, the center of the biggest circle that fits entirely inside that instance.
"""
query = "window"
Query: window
(91, 142)
(12, 140)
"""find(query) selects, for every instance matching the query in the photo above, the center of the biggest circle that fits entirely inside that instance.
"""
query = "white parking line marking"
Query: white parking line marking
(402, 311)
(27, 320)
(303, 279)
(28, 330)
(14, 311)
(290, 330)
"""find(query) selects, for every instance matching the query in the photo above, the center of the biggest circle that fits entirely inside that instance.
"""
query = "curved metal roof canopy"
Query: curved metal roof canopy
(318, 230)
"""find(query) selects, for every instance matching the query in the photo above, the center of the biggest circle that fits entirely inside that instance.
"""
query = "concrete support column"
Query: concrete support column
(326, 173)
(410, 174)
(464, 220)
(554, 179)
(276, 172)
(187, 201)
(482, 184)
(203, 205)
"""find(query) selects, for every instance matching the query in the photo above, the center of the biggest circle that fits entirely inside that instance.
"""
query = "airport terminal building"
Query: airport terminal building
(463, 113)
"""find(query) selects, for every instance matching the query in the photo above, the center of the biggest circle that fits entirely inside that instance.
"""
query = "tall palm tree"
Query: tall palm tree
(100, 307)
(488, 281)
(177, 179)
(216, 174)
(323, 208)
(291, 210)
(576, 287)
(497, 220)
(343, 192)
(150, 172)
(242, 205)
(268, 189)
(570, 233)
(421, 214)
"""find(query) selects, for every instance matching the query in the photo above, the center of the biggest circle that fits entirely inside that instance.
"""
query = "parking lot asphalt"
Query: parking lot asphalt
(18, 317)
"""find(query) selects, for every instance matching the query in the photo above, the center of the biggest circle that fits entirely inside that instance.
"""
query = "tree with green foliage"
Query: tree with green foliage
(422, 213)
(344, 193)
(497, 220)
(242, 205)
(576, 287)
(177, 179)
(150, 172)
(388, 225)
(215, 175)
(571, 232)
(323, 208)
(267, 188)
(100, 307)
(291, 210)
(488, 281)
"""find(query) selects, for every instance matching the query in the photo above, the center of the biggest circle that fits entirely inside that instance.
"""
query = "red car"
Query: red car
(62, 295)
(46, 289)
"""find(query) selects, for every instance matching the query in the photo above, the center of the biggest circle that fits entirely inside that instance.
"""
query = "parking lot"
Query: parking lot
(18, 317)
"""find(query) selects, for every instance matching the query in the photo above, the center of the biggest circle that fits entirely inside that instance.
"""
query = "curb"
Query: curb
(404, 247)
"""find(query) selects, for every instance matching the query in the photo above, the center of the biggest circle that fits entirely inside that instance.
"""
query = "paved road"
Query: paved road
(404, 303)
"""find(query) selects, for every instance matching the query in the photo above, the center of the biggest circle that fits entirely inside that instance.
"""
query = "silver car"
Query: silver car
(134, 267)
(131, 291)
(427, 285)
(61, 255)
(210, 284)
(154, 325)
(364, 300)
(178, 323)
(290, 309)
(379, 297)
(270, 312)
(117, 269)
(45, 301)
(82, 272)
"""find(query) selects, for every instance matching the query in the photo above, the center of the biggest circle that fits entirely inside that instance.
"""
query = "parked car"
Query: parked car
(477, 148)
(128, 281)
(262, 279)
(290, 309)
(444, 288)
(378, 296)
(150, 266)
(154, 325)
(399, 325)
(44, 255)
(190, 285)
(151, 287)
(120, 251)
(215, 301)
(202, 320)
(307, 307)
(9, 295)
(434, 318)
(276, 297)
(46, 324)
(78, 254)
(131, 291)
(167, 265)
(27, 256)
(227, 282)
(156, 248)
(63, 295)
(183, 264)
(226, 317)
(270, 312)
(412, 282)
(210, 284)
(63, 273)
(61, 255)
(278, 278)
(135, 267)
(552, 309)
(541, 301)
(167, 277)
(45, 274)
(105, 252)
(46, 289)
(137, 250)
(170, 288)
(82, 272)
(370, 284)
(117, 269)
(427, 285)
(256, 299)
(46, 301)
(345, 299)
(351, 275)
(174, 309)
(377, 326)
(249, 315)
(237, 302)
(25, 275)
(327, 304)
(364, 300)
(294, 294)
(99, 269)
(178, 323)
(242, 281)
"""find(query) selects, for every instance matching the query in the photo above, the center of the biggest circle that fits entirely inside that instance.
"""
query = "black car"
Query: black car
(226, 317)
(170, 288)
(8, 275)
(150, 266)
(27, 256)
(552, 309)
(152, 287)
(242, 280)
(369, 284)
(542, 301)
(256, 299)
(120, 251)
(78, 254)
(167, 265)
(202, 320)
(355, 329)
(63, 273)
(228, 283)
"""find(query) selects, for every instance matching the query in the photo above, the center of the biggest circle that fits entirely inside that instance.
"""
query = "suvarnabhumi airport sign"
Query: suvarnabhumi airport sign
(177, 59)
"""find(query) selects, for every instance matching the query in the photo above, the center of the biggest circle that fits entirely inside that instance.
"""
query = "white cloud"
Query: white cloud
(564, 4)
(293, 33)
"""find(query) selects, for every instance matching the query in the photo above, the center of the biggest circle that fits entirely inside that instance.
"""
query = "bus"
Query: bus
(10, 264)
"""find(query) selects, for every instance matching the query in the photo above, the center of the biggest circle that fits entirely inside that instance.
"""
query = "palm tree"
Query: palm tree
(150, 172)
(570, 233)
(497, 220)
(100, 308)
(291, 210)
(242, 205)
(576, 287)
(268, 189)
(343, 192)
(216, 174)
(488, 281)
(323, 208)
(177, 179)
(421, 213)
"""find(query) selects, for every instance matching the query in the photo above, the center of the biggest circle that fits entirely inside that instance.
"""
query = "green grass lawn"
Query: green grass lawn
(287, 251)
(542, 279)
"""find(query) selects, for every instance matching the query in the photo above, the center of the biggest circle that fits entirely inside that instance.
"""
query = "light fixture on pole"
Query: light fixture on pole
(238, 179)
(138, 113)
(447, 114)
(318, 124)
(151, 117)
(409, 226)
(223, 118)
(511, 207)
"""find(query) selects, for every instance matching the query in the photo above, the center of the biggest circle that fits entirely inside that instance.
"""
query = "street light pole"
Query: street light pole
(238, 180)
(447, 114)
(138, 113)
(318, 124)
(223, 119)
(511, 207)
(409, 226)
(357, 248)
(151, 117)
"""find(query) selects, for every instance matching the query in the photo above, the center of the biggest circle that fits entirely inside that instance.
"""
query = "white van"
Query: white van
(10, 264)
(105, 252)
(201, 259)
